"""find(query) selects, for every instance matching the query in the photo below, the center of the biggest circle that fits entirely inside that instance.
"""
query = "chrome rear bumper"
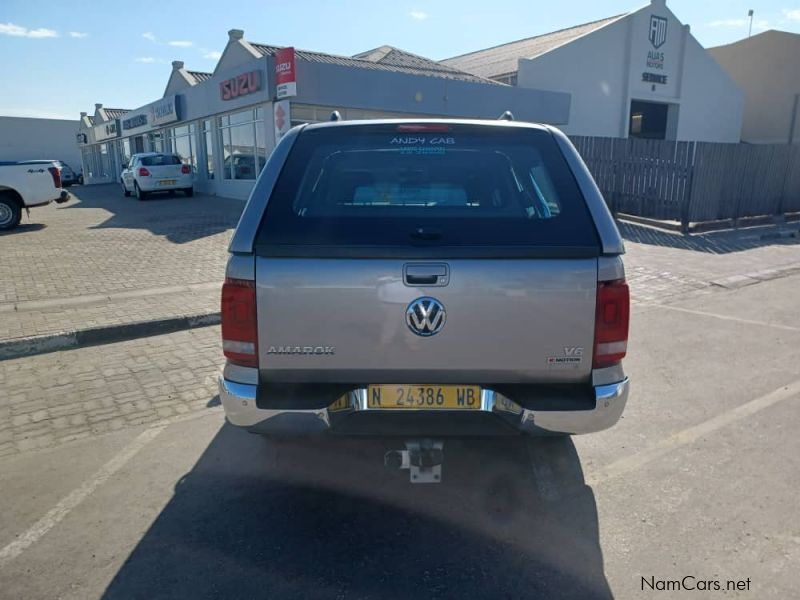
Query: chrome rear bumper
(239, 402)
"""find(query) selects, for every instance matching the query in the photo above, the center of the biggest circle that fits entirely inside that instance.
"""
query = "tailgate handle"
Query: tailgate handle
(426, 274)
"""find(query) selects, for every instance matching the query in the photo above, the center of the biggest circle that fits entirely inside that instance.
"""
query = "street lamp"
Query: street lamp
(750, 29)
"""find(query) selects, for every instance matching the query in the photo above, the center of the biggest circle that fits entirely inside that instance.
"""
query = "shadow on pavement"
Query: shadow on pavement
(719, 242)
(325, 519)
(23, 228)
(174, 216)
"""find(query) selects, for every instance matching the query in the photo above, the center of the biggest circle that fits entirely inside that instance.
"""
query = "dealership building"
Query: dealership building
(227, 122)
(639, 74)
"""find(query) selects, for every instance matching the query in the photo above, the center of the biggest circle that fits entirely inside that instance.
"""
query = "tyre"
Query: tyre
(10, 212)
(189, 192)
(139, 193)
(125, 191)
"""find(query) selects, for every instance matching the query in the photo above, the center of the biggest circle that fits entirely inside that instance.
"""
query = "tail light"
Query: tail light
(143, 172)
(55, 172)
(611, 323)
(239, 325)
(185, 169)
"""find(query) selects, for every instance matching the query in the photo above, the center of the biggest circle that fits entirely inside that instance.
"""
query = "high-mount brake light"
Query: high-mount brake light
(423, 127)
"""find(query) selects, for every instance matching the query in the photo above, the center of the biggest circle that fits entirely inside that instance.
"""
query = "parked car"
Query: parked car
(152, 172)
(68, 175)
(244, 165)
(425, 278)
(24, 185)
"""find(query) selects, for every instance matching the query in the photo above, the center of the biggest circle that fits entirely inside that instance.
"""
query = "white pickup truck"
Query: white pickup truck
(23, 185)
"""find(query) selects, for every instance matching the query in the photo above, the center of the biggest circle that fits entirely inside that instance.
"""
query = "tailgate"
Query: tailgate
(344, 320)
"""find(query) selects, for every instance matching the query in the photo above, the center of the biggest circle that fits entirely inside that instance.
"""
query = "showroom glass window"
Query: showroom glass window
(208, 148)
(158, 142)
(105, 161)
(125, 151)
(243, 145)
(180, 140)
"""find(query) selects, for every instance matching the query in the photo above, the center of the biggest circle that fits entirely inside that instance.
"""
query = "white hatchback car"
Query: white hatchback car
(156, 172)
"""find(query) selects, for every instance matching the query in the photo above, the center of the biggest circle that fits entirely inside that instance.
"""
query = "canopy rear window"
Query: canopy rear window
(430, 188)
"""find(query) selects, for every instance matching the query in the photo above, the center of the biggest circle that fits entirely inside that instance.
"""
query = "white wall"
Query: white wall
(712, 105)
(33, 139)
(603, 71)
(592, 69)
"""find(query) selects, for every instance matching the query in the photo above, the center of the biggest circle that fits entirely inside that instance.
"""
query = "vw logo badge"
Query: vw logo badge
(425, 316)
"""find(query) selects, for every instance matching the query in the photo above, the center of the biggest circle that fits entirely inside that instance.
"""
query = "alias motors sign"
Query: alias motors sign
(285, 73)
(241, 85)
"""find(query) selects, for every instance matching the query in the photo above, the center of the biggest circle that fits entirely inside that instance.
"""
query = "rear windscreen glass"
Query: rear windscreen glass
(435, 185)
(160, 160)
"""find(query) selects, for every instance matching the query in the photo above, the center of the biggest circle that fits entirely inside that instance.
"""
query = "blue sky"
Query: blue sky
(57, 59)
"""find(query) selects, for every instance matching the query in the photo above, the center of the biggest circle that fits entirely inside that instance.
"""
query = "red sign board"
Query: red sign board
(241, 85)
(285, 73)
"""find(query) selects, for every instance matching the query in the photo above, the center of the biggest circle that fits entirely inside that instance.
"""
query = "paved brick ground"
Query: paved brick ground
(64, 396)
(663, 266)
(101, 242)
(72, 257)
(66, 318)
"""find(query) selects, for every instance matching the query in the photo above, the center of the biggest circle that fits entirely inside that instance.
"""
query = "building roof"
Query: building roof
(115, 113)
(758, 37)
(199, 76)
(385, 58)
(502, 59)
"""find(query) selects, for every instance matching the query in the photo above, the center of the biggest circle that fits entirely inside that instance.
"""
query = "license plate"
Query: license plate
(167, 182)
(427, 397)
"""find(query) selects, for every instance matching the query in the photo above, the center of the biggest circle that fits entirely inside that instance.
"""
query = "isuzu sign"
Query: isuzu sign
(285, 73)
(658, 31)
(241, 85)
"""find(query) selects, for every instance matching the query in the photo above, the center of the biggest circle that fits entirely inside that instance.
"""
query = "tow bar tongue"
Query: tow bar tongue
(423, 459)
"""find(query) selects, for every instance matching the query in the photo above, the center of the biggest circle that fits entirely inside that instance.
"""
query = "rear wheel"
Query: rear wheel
(189, 192)
(125, 191)
(10, 212)
(139, 193)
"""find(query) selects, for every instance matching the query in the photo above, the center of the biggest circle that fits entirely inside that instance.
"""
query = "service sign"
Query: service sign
(285, 73)
(656, 52)
(164, 111)
(241, 85)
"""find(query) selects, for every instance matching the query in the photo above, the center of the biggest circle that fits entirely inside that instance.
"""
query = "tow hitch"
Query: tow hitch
(423, 458)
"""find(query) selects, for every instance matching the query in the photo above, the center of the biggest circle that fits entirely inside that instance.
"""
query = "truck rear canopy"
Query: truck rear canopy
(426, 190)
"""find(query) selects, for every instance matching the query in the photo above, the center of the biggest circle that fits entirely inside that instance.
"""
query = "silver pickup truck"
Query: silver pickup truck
(425, 278)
